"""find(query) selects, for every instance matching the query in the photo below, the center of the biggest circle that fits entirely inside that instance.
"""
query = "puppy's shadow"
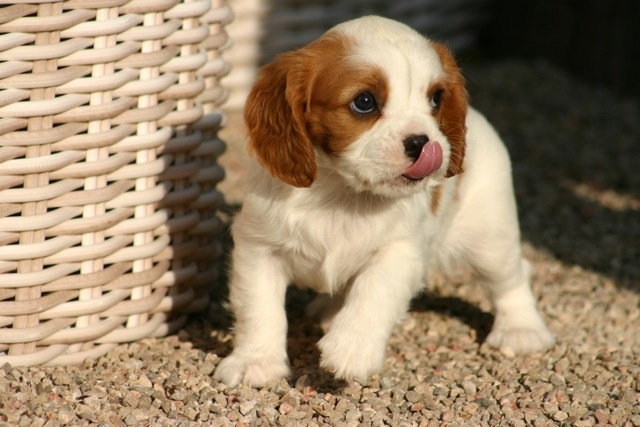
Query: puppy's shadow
(454, 307)
(304, 332)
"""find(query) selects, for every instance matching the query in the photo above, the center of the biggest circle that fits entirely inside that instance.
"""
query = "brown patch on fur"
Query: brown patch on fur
(453, 108)
(274, 116)
(436, 195)
(331, 122)
(303, 100)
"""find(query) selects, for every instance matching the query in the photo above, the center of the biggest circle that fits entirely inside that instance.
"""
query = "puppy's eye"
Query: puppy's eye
(436, 99)
(364, 103)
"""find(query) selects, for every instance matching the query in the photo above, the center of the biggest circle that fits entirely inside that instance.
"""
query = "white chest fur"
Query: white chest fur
(324, 242)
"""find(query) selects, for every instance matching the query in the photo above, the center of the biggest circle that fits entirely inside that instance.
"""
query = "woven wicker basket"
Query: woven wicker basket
(108, 145)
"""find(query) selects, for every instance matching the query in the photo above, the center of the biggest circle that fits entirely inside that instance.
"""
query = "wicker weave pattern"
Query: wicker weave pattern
(108, 147)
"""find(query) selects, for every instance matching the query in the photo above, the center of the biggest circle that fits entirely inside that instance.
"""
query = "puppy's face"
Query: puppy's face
(371, 100)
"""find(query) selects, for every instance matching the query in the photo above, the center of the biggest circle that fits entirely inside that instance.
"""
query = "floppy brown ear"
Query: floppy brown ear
(453, 112)
(274, 116)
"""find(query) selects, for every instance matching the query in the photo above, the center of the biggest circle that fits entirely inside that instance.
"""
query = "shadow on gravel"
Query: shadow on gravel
(454, 307)
(576, 163)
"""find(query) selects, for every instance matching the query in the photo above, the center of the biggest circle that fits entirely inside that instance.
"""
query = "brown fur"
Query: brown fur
(331, 122)
(453, 108)
(274, 115)
(436, 195)
(288, 111)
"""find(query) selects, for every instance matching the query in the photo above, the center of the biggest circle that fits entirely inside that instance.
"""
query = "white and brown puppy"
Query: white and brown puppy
(371, 173)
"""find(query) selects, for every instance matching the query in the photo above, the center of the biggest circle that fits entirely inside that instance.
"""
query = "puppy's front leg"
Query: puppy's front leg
(257, 290)
(354, 347)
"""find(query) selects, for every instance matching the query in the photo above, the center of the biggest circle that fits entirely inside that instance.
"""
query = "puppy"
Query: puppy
(370, 173)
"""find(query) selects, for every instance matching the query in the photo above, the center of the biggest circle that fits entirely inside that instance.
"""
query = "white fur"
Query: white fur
(362, 235)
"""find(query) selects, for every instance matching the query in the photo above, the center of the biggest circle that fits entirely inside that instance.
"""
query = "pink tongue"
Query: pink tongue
(430, 159)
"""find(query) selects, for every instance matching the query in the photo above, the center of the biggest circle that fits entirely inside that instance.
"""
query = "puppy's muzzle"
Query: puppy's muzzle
(426, 156)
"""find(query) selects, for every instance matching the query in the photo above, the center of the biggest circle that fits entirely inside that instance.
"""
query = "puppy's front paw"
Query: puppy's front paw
(255, 372)
(515, 336)
(351, 358)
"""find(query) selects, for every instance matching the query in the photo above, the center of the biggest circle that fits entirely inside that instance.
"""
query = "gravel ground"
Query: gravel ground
(576, 157)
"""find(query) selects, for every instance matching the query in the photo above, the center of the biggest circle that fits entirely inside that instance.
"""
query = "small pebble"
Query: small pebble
(412, 396)
(469, 388)
(247, 406)
(560, 416)
(285, 408)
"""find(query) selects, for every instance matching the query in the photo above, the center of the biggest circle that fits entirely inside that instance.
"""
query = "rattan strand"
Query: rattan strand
(109, 113)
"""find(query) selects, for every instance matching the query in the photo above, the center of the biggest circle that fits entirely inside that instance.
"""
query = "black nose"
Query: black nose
(413, 145)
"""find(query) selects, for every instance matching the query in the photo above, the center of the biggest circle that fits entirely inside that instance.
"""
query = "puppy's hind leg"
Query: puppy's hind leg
(518, 326)
(492, 247)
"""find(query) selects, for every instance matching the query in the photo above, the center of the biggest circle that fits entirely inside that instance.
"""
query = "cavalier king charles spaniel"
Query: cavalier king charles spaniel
(370, 174)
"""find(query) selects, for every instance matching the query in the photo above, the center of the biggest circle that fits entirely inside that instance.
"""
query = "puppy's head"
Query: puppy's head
(371, 100)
